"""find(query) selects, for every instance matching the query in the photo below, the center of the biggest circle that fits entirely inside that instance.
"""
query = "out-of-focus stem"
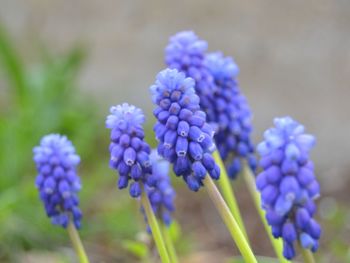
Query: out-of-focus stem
(250, 182)
(307, 255)
(229, 220)
(77, 244)
(228, 193)
(156, 233)
(169, 243)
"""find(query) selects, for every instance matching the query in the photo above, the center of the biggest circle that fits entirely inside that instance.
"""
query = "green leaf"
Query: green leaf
(13, 66)
(175, 231)
(136, 248)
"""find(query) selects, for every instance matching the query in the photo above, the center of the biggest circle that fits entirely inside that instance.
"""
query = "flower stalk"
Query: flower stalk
(169, 243)
(250, 182)
(156, 232)
(77, 244)
(228, 193)
(307, 255)
(229, 220)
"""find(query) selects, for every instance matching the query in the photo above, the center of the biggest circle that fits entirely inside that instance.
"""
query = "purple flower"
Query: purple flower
(129, 151)
(185, 138)
(288, 185)
(231, 113)
(220, 98)
(186, 53)
(57, 179)
(161, 194)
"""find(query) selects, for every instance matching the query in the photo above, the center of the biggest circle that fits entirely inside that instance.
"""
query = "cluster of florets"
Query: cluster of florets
(288, 185)
(231, 113)
(129, 151)
(185, 138)
(162, 194)
(57, 180)
(220, 98)
(186, 52)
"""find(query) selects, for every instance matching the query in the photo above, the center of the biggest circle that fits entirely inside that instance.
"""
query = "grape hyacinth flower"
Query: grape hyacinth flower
(129, 151)
(288, 185)
(130, 156)
(185, 138)
(186, 53)
(231, 114)
(186, 141)
(162, 194)
(57, 179)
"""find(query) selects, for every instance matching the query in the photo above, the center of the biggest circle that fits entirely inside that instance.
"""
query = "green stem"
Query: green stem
(229, 220)
(250, 182)
(169, 243)
(156, 233)
(77, 244)
(307, 255)
(228, 193)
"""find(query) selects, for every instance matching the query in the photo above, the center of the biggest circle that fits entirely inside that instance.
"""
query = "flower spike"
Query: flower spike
(130, 157)
(57, 179)
(129, 151)
(288, 185)
(185, 138)
(220, 97)
(186, 53)
(231, 114)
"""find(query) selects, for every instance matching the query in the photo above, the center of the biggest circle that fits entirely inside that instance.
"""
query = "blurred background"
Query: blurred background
(64, 63)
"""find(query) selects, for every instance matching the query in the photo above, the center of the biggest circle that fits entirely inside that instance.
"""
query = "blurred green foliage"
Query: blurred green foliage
(260, 260)
(337, 220)
(44, 99)
(40, 100)
(137, 248)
